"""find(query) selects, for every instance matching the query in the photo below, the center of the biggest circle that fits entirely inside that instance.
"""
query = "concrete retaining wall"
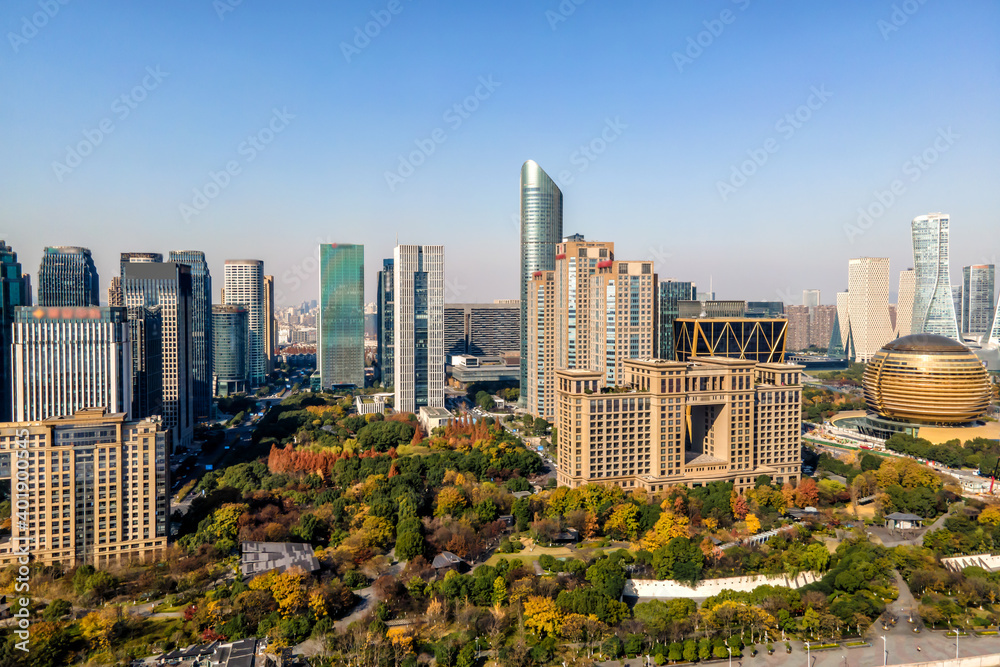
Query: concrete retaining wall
(653, 588)
(975, 661)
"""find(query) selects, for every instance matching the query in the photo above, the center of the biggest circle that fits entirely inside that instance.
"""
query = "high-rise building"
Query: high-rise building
(623, 313)
(270, 326)
(994, 336)
(108, 505)
(168, 285)
(15, 291)
(696, 422)
(340, 348)
(68, 359)
(541, 344)
(230, 338)
(68, 277)
(810, 298)
(809, 326)
(245, 287)
(115, 289)
(978, 292)
(760, 339)
(146, 334)
(904, 303)
(541, 230)
(956, 297)
(669, 294)
(201, 328)
(933, 305)
(866, 320)
(418, 278)
(384, 327)
(577, 263)
(481, 329)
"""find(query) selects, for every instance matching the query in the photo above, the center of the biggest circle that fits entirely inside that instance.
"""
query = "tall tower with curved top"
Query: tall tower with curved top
(541, 230)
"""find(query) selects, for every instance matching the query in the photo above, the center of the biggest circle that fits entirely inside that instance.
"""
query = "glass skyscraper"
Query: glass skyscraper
(933, 305)
(384, 323)
(15, 290)
(541, 230)
(978, 285)
(201, 328)
(67, 277)
(668, 294)
(340, 339)
(418, 279)
(230, 334)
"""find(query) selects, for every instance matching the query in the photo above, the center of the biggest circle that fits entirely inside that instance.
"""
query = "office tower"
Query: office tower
(541, 230)
(541, 343)
(230, 338)
(15, 291)
(67, 359)
(978, 291)
(933, 306)
(863, 311)
(904, 303)
(669, 293)
(168, 285)
(245, 287)
(146, 334)
(112, 505)
(482, 329)
(994, 336)
(201, 328)
(418, 277)
(340, 345)
(576, 264)
(956, 298)
(810, 298)
(712, 308)
(695, 422)
(68, 277)
(623, 313)
(270, 328)
(115, 289)
(385, 302)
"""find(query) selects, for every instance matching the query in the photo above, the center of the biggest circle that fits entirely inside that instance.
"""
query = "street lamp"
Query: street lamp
(808, 659)
(885, 652)
(730, 653)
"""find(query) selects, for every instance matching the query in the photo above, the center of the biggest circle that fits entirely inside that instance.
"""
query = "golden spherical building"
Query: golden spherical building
(927, 379)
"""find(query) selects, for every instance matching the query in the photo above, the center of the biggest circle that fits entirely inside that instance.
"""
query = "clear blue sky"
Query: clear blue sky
(654, 190)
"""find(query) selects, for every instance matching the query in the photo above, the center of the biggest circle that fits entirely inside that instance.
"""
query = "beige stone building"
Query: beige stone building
(690, 423)
(88, 488)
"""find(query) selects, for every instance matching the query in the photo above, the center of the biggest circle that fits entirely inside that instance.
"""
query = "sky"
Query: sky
(757, 146)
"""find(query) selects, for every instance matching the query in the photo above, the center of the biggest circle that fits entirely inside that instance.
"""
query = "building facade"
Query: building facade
(933, 305)
(541, 230)
(15, 292)
(201, 328)
(623, 317)
(680, 423)
(978, 298)
(68, 277)
(99, 491)
(809, 326)
(863, 310)
(577, 263)
(481, 329)
(68, 359)
(270, 325)
(231, 338)
(904, 302)
(245, 287)
(340, 340)
(759, 339)
(146, 334)
(168, 286)
(418, 277)
(669, 294)
(384, 327)
(541, 344)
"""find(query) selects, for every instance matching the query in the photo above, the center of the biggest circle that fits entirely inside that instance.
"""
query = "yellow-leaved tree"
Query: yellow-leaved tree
(753, 524)
(542, 615)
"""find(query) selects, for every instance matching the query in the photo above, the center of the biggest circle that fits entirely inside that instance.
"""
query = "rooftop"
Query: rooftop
(925, 343)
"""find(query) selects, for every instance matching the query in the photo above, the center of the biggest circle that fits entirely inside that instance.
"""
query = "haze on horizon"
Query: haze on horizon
(300, 117)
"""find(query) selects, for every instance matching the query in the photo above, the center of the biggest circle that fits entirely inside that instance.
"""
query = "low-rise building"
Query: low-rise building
(262, 557)
(431, 418)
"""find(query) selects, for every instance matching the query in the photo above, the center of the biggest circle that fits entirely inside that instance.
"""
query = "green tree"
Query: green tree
(607, 576)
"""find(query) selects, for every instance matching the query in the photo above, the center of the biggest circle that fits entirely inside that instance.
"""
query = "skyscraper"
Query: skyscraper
(230, 334)
(577, 263)
(68, 277)
(669, 293)
(201, 328)
(340, 342)
(810, 298)
(956, 298)
(418, 278)
(146, 333)
(978, 292)
(168, 285)
(68, 359)
(384, 305)
(115, 289)
(538, 391)
(270, 326)
(15, 291)
(904, 303)
(863, 311)
(623, 313)
(933, 306)
(541, 230)
(245, 287)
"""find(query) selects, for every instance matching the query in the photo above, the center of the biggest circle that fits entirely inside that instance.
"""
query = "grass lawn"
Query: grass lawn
(529, 554)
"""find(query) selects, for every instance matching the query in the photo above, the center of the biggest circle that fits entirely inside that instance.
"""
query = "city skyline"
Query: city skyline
(822, 170)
